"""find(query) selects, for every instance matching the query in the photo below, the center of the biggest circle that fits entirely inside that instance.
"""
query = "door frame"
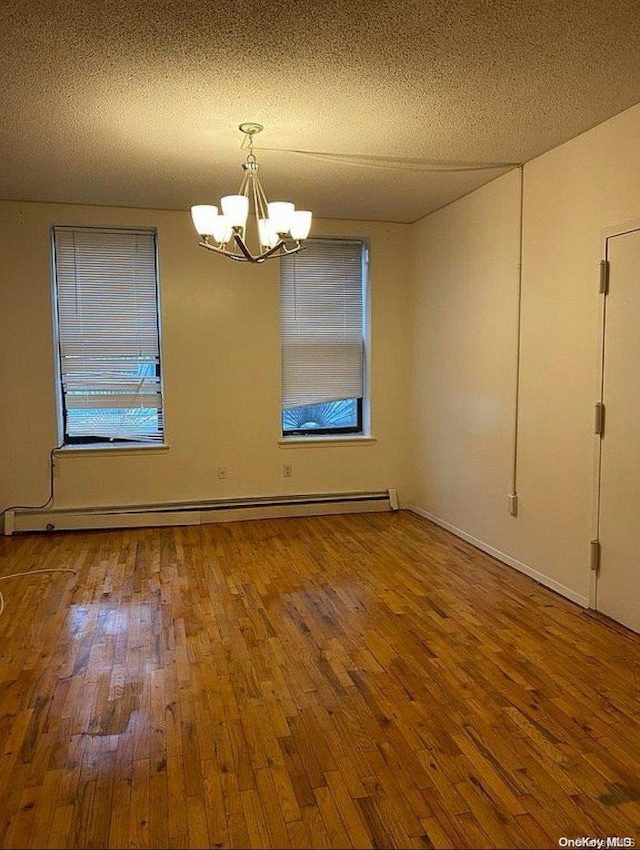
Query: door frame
(609, 233)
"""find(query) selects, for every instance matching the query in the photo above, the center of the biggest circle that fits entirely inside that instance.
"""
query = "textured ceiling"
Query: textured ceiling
(138, 103)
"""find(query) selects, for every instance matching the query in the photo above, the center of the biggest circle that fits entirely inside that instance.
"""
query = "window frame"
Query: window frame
(361, 428)
(99, 442)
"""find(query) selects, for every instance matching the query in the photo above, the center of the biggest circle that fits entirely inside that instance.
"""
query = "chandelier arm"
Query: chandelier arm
(268, 257)
(272, 251)
(244, 190)
(239, 237)
(246, 257)
(280, 249)
(298, 247)
(262, 199)
(216, 248)
(256, 208)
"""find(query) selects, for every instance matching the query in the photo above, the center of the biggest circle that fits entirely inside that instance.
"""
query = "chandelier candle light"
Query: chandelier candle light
(281, 228)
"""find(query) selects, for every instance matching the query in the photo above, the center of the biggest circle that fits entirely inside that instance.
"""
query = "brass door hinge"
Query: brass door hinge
(598, 422)
(604, 277)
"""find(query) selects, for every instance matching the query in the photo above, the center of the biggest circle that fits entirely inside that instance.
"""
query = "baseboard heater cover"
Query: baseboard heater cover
(199, 512)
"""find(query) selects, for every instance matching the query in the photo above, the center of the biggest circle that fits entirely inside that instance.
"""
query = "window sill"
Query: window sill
(109, 449)
(325, 440)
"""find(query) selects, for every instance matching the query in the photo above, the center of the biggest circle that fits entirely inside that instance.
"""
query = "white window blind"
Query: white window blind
(108, 336)
(322, 322)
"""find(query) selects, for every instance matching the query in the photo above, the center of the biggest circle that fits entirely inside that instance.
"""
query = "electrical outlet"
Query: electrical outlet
(222, 472)
(287, 470)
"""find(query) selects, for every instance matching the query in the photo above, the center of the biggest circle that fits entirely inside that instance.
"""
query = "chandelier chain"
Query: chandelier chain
(251, 156)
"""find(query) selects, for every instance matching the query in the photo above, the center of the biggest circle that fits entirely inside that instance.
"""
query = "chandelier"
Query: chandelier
(280, 228)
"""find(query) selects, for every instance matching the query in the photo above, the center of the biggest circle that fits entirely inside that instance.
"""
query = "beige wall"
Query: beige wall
(221, 356)
(465, 351)
(464, 378)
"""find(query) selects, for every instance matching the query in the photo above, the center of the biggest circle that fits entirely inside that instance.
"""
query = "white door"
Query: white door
(618, 582)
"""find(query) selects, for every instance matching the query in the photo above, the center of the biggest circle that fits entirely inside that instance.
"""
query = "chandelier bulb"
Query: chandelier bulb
(236, 209)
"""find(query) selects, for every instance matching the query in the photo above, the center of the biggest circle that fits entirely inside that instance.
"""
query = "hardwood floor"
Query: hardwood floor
(347, 681)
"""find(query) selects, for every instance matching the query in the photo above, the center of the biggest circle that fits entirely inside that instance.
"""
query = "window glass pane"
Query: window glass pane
(325, 415)
(132, 423)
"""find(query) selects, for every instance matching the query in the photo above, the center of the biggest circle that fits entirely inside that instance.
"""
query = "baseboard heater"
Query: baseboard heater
(198, 513)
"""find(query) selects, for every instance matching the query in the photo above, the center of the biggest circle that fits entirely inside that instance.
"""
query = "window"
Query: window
(322, 326)
(106, 293)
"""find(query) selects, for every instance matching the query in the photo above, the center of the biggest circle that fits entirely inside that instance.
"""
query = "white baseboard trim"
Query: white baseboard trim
(501, 556)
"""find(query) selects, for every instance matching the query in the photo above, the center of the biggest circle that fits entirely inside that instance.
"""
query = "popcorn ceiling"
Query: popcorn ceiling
(138, 104)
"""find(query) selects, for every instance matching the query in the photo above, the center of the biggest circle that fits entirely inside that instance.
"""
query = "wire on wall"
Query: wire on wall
(514, 467)
(50, 499)
(397, 162)
(44, 505)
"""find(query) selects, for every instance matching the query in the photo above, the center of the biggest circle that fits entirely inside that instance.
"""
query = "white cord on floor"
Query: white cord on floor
(31, 573)
(43, 570)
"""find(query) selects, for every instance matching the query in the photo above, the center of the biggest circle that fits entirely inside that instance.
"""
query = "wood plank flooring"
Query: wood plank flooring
(366, 681)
